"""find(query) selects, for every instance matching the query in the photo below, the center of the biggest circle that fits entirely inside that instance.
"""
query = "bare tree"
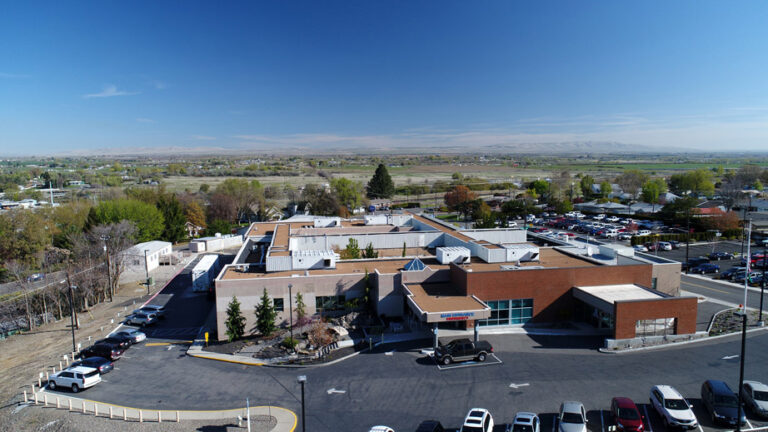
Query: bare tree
(19, 270)
(115, 238)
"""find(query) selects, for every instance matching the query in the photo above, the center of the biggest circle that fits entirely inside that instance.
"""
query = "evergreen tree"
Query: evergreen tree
(380, 185)
(370, 252)
(405, 249)
(175, 221)
(352, 251)
(301, 309)
(265, 315)
(235, 320)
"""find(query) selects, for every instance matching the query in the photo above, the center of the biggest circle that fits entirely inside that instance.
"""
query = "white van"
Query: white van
(611, 233)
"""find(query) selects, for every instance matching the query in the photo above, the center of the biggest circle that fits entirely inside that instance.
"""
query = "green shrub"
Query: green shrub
(290, 343)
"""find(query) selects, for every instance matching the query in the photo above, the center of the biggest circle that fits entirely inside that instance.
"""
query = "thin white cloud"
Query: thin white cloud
(203, 137)
(145, 120)
(159, 85)
(109, 91)
(13, 75)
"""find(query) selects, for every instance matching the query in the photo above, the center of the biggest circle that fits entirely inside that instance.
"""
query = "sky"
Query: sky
(89, 76)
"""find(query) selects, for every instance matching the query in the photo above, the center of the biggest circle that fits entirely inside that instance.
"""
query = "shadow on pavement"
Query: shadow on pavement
(567, 342)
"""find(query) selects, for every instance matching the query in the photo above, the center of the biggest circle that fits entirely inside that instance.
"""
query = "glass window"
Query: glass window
(506, 312)
(504, 304)
(278, 302)
(329, 303)
(516, 303)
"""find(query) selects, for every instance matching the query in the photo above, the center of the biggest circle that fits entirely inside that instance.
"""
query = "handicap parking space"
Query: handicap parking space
(492, 360)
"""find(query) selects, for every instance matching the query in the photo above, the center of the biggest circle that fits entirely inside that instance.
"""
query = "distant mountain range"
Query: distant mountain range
(558, 148)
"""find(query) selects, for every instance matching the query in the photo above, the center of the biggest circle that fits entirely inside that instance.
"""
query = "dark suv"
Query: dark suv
(430, 426)
(107, 351)
(721, 402)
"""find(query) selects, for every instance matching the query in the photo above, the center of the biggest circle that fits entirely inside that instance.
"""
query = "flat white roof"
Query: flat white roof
(152, 246)
(613, 293)
(604, 297)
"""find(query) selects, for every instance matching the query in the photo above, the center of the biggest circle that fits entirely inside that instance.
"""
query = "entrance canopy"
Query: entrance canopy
(439, 302)
(603, 297)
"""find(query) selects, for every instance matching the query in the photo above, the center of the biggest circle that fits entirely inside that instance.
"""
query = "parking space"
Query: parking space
(490, 361)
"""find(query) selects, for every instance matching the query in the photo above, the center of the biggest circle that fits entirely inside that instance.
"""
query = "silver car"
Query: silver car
(141, 319)
(755, 396)
(572, 417)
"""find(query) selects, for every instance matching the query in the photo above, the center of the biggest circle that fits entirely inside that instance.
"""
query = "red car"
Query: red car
(626, 415)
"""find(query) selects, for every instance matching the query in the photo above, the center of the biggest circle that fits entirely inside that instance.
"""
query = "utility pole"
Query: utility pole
(741, 366)
(105, 238)
(687, 239)
(290, 311)
(72, 316)
(146, 267)
(762, 282)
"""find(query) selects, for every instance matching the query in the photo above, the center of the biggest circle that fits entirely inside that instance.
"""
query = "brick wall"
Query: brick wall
(550, 288)
(627, 313)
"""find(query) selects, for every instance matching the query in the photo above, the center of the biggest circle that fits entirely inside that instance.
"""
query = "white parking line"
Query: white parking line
(648, 418)
(602, 424)
(554, 423)
(699, 425)
(748, 423)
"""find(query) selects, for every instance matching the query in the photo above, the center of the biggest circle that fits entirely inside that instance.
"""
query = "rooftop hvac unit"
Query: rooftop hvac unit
(456, 254)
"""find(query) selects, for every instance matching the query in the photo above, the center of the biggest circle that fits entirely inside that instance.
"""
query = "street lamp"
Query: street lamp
(762, 282)
(105, 238)
(743, 314)
(290, 311)
(687, 239)
(302, 379)
(72, 316)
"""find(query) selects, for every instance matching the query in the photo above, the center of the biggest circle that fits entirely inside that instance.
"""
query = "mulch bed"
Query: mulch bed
(730, 322)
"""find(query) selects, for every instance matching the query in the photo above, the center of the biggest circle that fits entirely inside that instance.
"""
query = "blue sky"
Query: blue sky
(317, 74)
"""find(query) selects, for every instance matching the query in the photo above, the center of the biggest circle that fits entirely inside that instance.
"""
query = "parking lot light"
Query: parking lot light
(302, 379)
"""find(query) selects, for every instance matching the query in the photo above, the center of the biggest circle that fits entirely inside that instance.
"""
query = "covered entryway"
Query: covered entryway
(435, 303)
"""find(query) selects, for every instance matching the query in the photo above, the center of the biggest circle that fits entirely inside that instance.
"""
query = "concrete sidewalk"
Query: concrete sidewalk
(286, 419)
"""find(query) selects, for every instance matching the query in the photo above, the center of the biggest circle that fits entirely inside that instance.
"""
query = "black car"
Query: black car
(134, 336)
(695, 262)
(430, 426)
(111, 352)
(721, 402)
(731, 272)
(100, 363)
(706, 268)
(119, 341)
(717, 256)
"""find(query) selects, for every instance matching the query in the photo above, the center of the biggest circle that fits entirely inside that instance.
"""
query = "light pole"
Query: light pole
(105, 238)
(290, 311)
(72, 316)
(302, 379)
(146, 268)
(741, 365)
(687, 239)
(762, 282)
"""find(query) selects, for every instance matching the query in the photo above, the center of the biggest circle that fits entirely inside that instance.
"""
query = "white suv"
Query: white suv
(672, 407)
(76, 378)
(478, 420)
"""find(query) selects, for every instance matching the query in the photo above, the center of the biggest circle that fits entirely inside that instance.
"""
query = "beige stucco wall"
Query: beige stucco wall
(667, 278)
(249, 291)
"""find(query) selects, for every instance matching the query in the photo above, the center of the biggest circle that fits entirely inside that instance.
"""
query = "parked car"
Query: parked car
(675, 244)
(526, 422)
(755, 396)
(665, 246)
(706, 268)
(640, 248)
(461, 350)
(694, 262)
(119, 341)
(134, 336)
(751, 277)
(381, 429)
(430, 426)
(612, 219)
(731, 272)
(159, 311)
(599, 217)
(572, 417)
(625, 236)
(477, 420)
(626, 415)
(717, 256)
(141, 319)
(100, 363)
(78, 378)
(35, 277)
(721, 402)
(756, 281)
(102, 350)
(644, 232)
(672, 407)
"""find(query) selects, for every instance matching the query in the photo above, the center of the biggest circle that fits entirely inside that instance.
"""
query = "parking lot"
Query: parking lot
(398, 386)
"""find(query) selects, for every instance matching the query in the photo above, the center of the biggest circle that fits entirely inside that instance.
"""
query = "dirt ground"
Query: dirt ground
(23, 356)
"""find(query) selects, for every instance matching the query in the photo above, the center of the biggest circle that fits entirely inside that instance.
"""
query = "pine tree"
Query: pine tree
(235, 320)
(301, 309)
(370, 252)
(265, 315)
(175, 221)
(380, 185)
(352, 251)
(405, 249)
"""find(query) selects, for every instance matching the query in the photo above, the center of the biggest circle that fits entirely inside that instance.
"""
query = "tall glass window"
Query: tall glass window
(507, 312)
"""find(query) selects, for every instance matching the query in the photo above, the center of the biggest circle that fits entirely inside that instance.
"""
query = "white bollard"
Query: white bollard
(101, 328)
(95, 409)
(125, 414)
(25, 397)
(141, 415)
(110, 412)
(35, 398)
(45, 399)
(112, 321)
(54, 369)
(66, 359)
(46, 376)
(83, 407)
(33, 388)
(70, 404)
(60, 368)
(40, 380)
(58, 403)
(177, 417)
(159, 416)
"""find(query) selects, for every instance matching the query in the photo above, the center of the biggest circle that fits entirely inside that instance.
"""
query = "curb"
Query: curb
(132, 414)
(674, 344)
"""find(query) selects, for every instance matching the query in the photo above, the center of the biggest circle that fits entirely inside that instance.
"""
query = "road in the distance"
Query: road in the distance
(729, 293)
